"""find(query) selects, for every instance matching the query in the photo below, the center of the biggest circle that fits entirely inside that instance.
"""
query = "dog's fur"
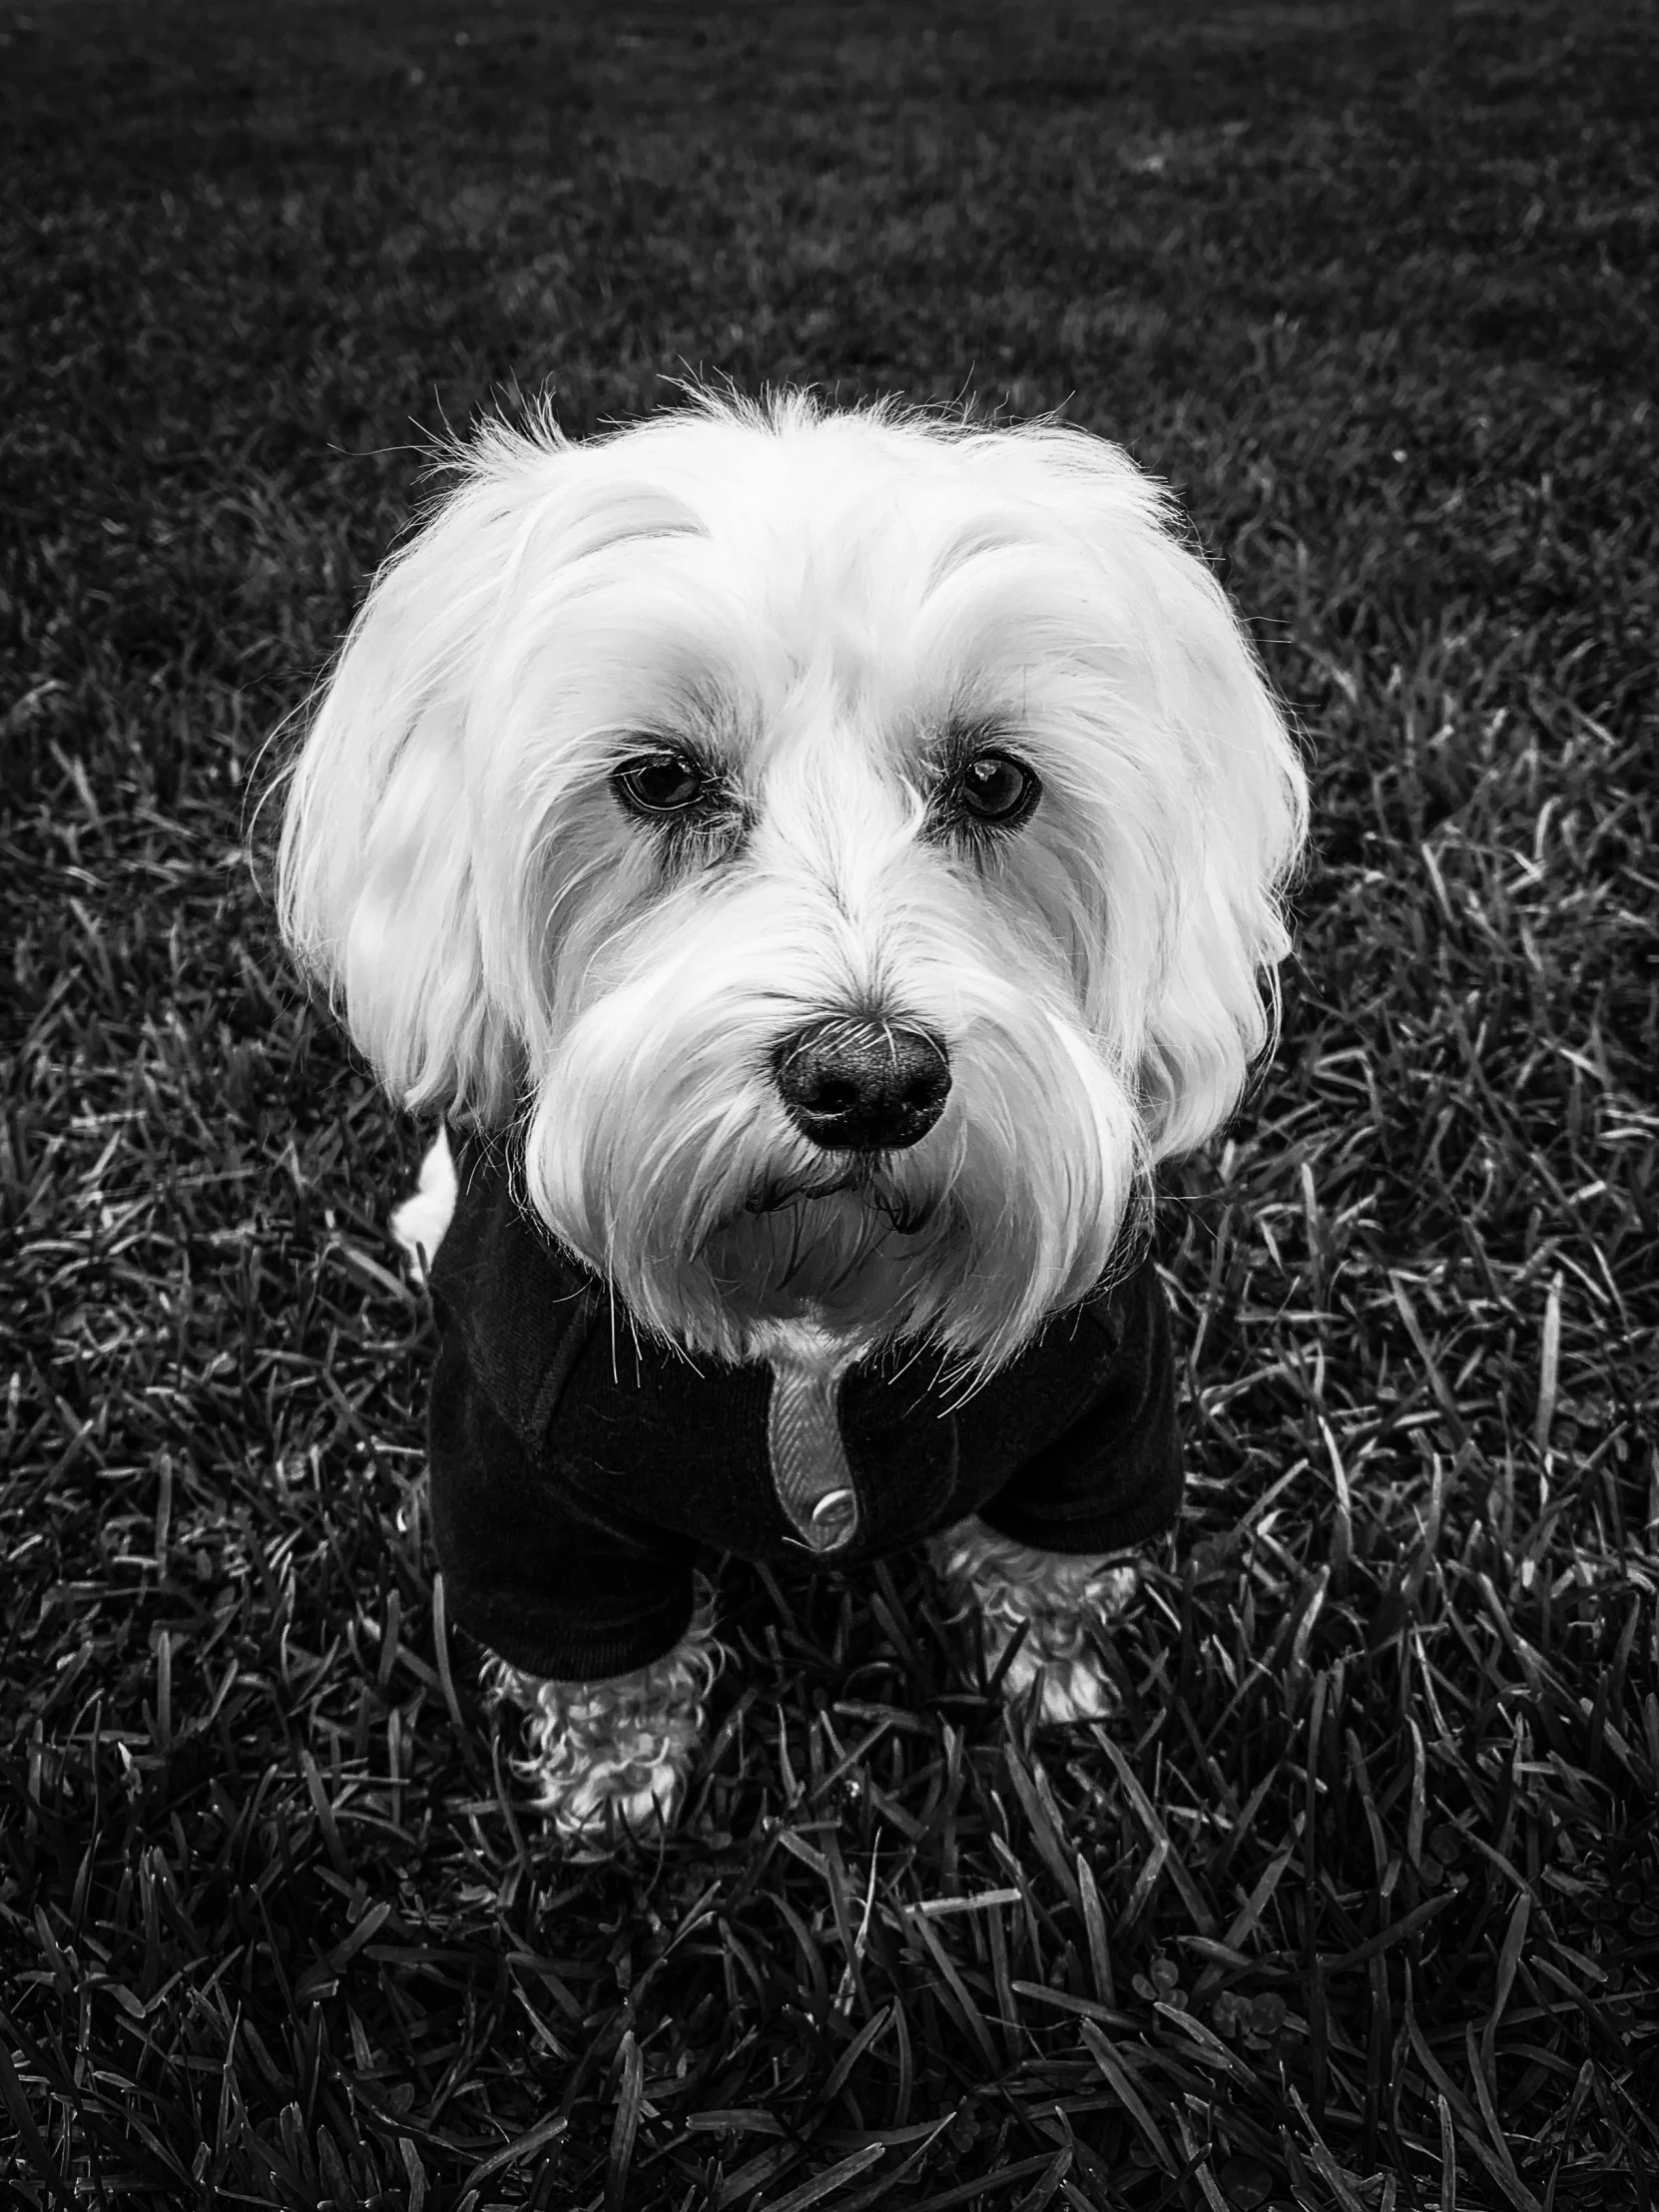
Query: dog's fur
(836, 616)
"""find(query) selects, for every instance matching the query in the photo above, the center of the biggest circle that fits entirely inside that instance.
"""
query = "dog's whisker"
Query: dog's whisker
(909, 1217)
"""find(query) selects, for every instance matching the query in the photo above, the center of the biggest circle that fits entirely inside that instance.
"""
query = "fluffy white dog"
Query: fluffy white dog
(818, 863)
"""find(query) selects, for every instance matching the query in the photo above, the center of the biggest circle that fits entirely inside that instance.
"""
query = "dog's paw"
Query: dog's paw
(1059, 1607)
(637, 1792)
(608, 1760)
(1068, 1690)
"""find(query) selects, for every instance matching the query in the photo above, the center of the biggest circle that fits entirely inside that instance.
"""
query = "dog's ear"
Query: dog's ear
(1211, 816)
(1216, 1008)
(379, 873)
(1217, 1005)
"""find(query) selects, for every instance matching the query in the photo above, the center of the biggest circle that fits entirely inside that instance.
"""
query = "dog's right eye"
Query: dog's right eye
(661, 783)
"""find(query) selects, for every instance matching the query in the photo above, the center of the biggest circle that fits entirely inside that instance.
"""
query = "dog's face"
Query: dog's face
(844, 846)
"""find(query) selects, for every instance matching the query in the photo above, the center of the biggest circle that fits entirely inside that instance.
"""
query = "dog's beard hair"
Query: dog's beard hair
(660, 1151)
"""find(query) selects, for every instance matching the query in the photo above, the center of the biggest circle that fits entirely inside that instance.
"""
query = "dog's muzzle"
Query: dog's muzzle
(854, 1083)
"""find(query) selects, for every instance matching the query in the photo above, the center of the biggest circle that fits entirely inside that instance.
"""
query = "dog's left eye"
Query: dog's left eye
(661, 783)
(995, 787)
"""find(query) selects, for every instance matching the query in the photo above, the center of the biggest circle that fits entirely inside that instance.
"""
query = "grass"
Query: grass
(1359, 1906)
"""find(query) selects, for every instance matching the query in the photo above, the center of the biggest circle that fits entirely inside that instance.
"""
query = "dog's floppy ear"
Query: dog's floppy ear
(377, 873)
(1222, 782)
(1217, 1005)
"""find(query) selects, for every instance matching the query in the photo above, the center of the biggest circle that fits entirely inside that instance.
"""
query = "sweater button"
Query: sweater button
(835, 1516)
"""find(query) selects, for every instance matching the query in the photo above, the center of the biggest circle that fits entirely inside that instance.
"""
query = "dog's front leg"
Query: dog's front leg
(1064, 1603)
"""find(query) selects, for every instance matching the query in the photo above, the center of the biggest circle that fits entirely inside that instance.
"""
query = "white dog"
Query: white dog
(818, 863)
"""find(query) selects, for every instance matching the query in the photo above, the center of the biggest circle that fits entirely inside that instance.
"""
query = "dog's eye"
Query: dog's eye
(661, 783)
(995, 787)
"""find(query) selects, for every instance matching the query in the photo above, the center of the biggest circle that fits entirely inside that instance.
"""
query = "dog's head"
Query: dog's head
(845, 847)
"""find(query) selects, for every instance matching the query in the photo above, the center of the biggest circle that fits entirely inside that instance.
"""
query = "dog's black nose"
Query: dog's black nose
(854, 1083)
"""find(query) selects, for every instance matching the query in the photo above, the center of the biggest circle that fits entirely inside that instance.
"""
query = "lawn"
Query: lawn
(1358, 1905)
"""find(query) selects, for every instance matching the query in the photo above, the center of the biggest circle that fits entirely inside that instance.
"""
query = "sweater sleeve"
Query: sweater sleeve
(527, 1570)
(1114, 1476)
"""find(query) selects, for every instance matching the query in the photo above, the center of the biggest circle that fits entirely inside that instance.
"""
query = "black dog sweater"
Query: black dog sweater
(576, 1472)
